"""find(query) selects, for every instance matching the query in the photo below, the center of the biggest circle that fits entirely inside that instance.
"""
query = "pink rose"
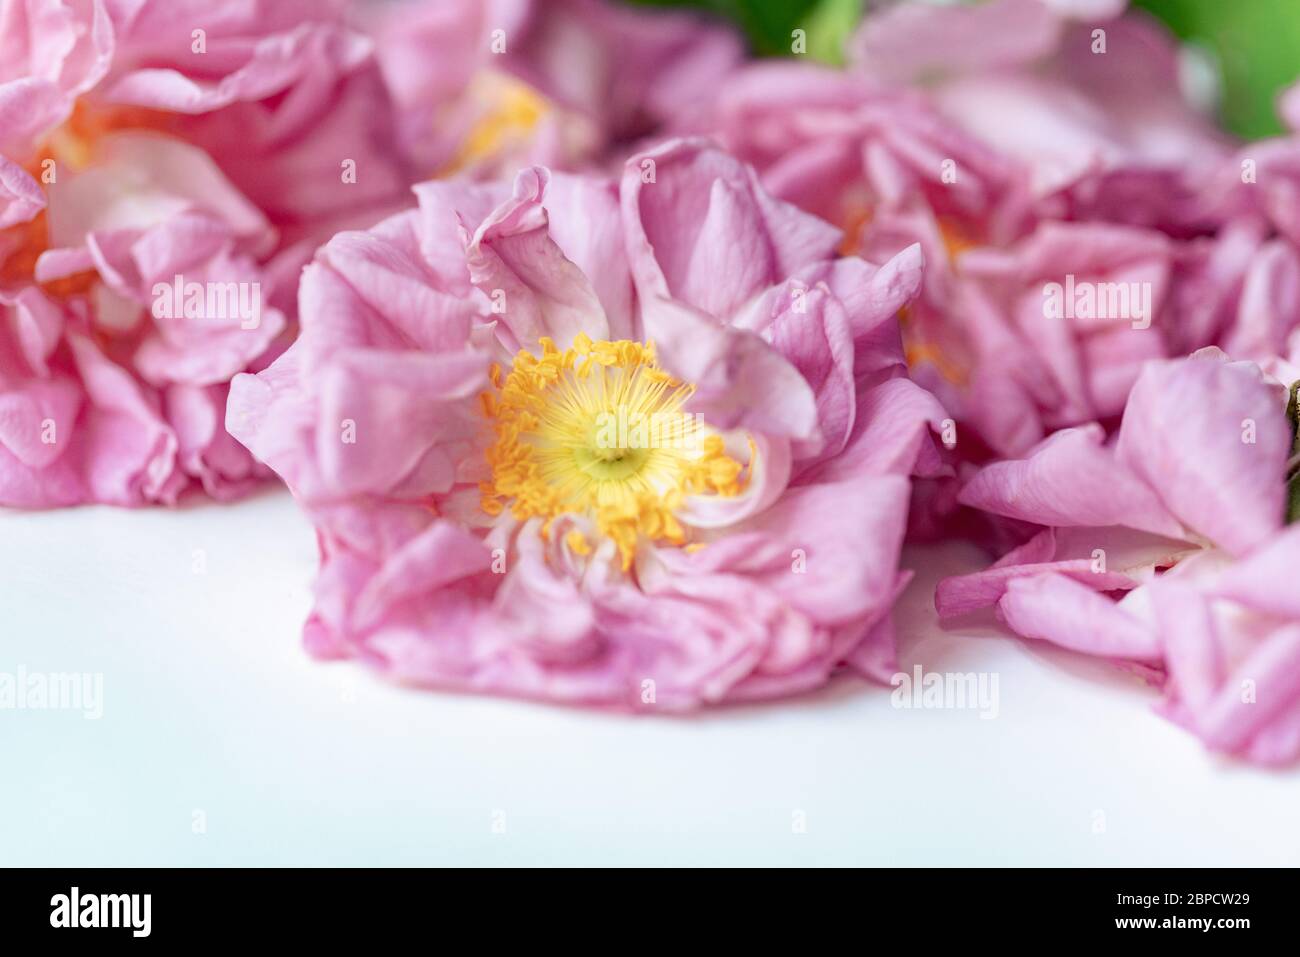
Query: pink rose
(444, 416)
(169, 168)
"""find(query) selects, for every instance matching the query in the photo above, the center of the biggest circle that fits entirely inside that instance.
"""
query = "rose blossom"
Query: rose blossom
(1093, 103)
(1198, 462)
(892, 152)
(486, 86)
(442, 418)
(1163, 548)
(149, 148)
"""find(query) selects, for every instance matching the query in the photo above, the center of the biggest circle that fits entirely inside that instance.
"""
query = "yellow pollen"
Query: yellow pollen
(577, 543)
(599, 430)
(511, 110)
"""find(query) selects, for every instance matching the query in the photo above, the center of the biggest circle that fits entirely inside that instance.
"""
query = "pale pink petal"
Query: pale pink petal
(1209, 438)
(1059, 609)
(1070, 479)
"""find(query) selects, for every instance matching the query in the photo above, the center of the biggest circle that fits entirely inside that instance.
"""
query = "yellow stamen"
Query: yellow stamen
(511, 110)
(599, 429)
(577, 543)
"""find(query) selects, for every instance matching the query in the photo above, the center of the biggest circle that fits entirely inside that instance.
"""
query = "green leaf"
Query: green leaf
(767, 23)
(828, 26)
(1256, 44)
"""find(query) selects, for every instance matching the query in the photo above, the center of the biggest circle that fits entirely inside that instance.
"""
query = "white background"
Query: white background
(214, 714)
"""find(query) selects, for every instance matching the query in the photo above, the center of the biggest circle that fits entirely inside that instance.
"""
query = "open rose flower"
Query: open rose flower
(165, 169)
(1090, 102)
(1164, 549)
(484, 87)
(1198, 462)
(625, 443)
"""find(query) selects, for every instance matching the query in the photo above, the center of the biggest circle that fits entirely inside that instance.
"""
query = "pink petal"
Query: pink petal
(1059, 609)
(1210, 439)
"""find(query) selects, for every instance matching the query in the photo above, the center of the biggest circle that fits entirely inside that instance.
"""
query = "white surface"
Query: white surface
(211, 706)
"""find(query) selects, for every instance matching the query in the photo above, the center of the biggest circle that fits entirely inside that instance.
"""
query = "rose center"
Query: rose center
(600, 430)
